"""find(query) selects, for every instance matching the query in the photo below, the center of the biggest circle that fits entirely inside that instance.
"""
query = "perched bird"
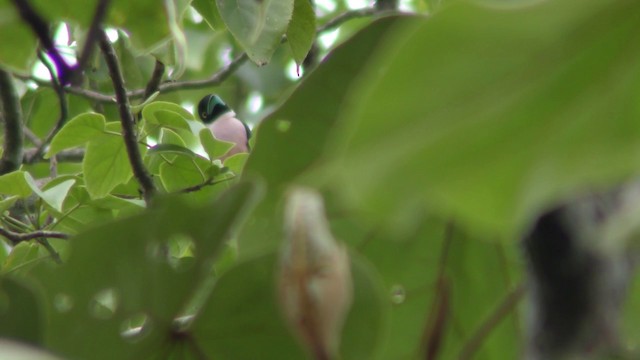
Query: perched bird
(224, 125)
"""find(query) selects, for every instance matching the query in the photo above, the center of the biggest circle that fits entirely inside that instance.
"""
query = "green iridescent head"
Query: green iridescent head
(211, 107)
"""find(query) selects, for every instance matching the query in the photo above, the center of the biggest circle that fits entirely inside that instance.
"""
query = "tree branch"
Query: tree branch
(500, 312)
(128, 131)
(62, 99)
(346, 16)
(92, 35)
(41, 28)
(71, 155)
(12, 117)
(154, 83)
(16, 238)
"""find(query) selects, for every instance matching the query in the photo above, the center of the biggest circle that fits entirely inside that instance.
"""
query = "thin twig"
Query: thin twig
(31, 136)
(128, 124)
(41, 28)
(209, 182)
(16, 238)
(13, 124)
(346, 16)
(503, 309)
(92, 35)
(62, 99)
(154, 83)
(71, 155)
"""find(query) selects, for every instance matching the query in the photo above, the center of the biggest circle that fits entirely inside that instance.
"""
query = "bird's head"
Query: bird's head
(211, 107)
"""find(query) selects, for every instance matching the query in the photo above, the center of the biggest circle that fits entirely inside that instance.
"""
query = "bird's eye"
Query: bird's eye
(204, 114)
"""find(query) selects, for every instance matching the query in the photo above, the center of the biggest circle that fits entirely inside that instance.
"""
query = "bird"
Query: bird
(224, 125)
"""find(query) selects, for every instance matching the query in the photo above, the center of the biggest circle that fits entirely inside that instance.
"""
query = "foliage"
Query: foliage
(435, 140)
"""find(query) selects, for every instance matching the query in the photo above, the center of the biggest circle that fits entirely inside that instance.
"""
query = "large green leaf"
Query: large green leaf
(292, 139)
(17, 51)
(257, 25)
(21, 315)
(126, 261)
(77, 132)
(489, 115)
(105, 165)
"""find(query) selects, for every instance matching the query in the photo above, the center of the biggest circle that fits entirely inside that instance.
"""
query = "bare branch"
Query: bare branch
(126, 117)
(41, 28)
(503, 309)
(13, 124)
(16, 238)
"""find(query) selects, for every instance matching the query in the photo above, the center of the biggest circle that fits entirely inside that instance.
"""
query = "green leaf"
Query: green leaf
(21, 315)
(146, 21)
(184, 172)
(105, 165)
(126, 258)
(169, 137)
(53, 196)
(209, 11)
(493, 138)
(302, 30)
(162, 149)
(257, 25)
(213, 147)
(162, 114)
(171, 115)
(77, 132)
(241, 319)
(299, 130)
(6, 204)
(15, 183)
(235, 163)
(17, 51)
(22, 258)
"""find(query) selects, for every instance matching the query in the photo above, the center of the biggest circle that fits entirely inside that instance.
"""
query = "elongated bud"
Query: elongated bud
(314, 280)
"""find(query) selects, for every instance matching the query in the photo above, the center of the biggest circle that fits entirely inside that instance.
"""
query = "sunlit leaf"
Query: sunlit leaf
(77, 132)
(105, 165)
